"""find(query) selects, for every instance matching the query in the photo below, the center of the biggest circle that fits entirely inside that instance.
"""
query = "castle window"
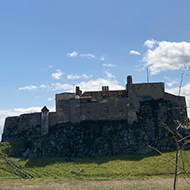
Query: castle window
(121, 110)
(87, 101)
(120, 96)
(64, 101)
(105, 97)
(89, 111)
(146, 97)
(105, 110)
(65, 112)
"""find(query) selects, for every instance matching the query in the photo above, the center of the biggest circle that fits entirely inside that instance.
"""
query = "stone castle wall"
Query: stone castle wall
(97, 105)
(22, 122)
(100, 138)
(177, 100)
(76, 110)
(146, 91)
(28, 121)
(10, 123)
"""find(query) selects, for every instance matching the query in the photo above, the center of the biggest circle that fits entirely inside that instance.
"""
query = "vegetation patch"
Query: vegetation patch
(60, 171)
(126, 166)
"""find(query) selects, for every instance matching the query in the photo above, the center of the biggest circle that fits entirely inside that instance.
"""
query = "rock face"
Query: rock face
(100, 138)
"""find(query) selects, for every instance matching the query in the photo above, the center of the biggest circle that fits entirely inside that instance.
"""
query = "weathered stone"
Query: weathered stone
(100, 138)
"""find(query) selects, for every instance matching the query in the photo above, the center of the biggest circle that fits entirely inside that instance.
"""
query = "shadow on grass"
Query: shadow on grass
(44, 161)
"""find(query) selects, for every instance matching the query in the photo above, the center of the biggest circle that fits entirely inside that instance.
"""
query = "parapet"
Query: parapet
(65, 96)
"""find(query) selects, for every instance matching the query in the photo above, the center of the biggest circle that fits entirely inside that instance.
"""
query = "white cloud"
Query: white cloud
(86, 76)
(91, 84)
(150, 43)
(50, 99)
(108, 65)
(168, 56)
(53, 87)
(43, 86)
(73, 76)
(73, 54)
(109, 75)
(57, 75)
(101, 58)
(89, 56)
(32, 87)
(79, 76)
(185, 91)
(111, 80)
(133, 52)
(94, 85)
(64, 87)
(170, 84)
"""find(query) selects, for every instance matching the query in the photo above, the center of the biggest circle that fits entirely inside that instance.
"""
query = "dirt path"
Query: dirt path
(21, 185)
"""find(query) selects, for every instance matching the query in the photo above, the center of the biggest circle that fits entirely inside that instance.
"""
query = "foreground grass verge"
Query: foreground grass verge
(155, 184)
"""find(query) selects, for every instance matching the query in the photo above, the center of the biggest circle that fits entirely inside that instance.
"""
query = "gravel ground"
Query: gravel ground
(21, 185)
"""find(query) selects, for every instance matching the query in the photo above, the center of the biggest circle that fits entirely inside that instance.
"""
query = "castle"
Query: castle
(94, 105)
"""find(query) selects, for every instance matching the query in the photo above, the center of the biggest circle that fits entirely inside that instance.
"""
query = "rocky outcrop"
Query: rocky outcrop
(100, 138)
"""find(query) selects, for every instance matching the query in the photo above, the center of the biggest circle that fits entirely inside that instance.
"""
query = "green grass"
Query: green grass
(135, 166)
(119, 167)
(5, 170)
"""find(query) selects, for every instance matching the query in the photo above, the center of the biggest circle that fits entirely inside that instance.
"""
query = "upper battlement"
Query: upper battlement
(144, 91)
(111, 104)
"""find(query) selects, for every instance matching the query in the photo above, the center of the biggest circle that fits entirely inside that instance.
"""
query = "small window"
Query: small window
(105, 97)
(65, 112)
(105, 110)
(87, 101)
(64, 101)
(120, 96)
(146, 97)
(121, 110)
(88, 111)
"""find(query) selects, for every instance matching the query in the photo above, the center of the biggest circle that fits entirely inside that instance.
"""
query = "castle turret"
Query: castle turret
(44, 121)
(129, 81)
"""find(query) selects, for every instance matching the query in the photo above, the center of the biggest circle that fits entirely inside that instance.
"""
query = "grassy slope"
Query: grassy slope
(136, 166)
(5, 170)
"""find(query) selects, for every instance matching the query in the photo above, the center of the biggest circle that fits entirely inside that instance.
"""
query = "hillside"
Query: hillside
(127, 166)
(119, 172)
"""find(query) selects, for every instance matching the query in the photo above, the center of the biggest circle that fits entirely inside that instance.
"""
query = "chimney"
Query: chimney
(77, 90)
(129, 79)
(105, 88)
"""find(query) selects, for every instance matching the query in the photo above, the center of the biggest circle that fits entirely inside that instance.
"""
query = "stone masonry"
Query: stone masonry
(94, 106)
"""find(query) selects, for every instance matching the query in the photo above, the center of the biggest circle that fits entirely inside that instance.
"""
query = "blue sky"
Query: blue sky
(48, 46)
